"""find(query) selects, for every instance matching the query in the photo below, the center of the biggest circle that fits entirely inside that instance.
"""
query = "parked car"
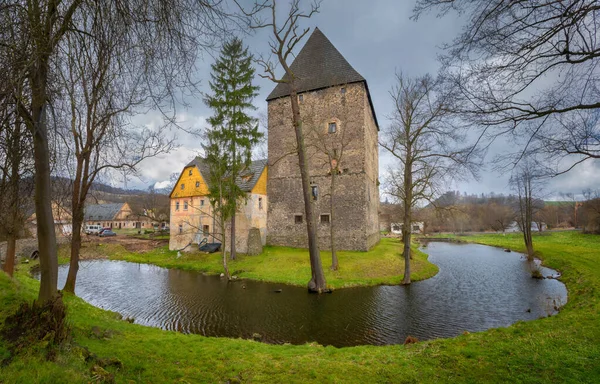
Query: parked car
(104, 229)
(107, 233)
(92, 229)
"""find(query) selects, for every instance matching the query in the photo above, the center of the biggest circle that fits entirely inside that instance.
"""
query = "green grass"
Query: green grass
(381, 265)
(560, 349)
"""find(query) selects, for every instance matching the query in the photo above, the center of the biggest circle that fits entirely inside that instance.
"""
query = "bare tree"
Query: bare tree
(526, 181)
(167, 37)
(15, 149)
(286, 34)
(531, 69)
(15, 168)
(499, 216)
(101, 89)
(425, 142)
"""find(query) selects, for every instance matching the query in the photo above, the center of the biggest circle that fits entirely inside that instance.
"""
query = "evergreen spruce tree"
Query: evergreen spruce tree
(232, 129)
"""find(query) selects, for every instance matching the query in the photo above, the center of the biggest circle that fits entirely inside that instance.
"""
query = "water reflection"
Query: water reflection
(477, 288)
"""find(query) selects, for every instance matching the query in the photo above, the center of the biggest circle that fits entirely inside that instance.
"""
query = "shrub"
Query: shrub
(43, 325)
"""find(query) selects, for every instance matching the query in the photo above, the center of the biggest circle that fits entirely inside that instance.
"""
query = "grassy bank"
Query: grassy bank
(563, 348)
(381, 265)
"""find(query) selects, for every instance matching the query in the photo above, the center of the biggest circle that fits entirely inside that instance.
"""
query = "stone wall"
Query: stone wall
(356, 196)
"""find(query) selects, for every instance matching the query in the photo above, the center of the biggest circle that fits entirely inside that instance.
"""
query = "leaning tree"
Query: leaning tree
(286, 34)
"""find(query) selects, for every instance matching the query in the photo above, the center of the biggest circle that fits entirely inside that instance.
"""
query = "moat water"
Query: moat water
(477, 288)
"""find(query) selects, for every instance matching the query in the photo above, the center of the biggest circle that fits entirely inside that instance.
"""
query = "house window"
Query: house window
(416, 228)
(343, 91)
(190, 172)
(177, 206)
(314, 191)
(298, 219)
(300, 98)
(332, 128)
(182, 186)
(185, 205)
(202, 203)
(180, 229)
(260, 204)
(197, 184)
(205, 230)
(324, 219)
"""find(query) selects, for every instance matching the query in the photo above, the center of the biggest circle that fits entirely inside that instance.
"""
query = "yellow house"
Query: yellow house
(192, 218)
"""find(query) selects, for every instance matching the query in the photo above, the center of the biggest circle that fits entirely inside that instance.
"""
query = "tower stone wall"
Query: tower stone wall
(355, 142)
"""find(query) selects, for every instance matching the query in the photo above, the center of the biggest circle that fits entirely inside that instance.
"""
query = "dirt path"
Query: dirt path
(131, 244)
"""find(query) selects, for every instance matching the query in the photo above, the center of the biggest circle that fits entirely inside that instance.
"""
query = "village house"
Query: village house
(192, 219)
(416, 227)
(115, 216)
(337, 112)
(62, 221)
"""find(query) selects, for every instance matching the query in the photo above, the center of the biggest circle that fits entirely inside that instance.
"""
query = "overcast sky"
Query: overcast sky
(377, 38)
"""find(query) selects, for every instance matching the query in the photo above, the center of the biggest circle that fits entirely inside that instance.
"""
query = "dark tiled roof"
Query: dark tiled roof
(246, 181)
(202, 166)
(102, 211)
(318, 65)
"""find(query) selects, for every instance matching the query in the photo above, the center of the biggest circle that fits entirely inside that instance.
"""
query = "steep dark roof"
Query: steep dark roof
(246, 181)
(102, 211)
(320, 65)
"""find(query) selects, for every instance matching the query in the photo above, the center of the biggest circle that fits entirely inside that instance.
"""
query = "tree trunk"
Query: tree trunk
(77, 216)
(11, 250)
(317, 282)
(232, 249)
(407, 202)
(223, 251)
(75, 249)
(15, 180)
(43, 199)
(334, 259)
(232, 252)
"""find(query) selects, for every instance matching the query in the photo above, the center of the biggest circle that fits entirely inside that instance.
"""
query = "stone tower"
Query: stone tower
(339, 122)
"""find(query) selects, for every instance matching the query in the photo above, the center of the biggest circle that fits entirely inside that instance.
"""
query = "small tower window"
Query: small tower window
(343, 91)
(298, 219)
(190, 172)
(332, 128)
(197, 184)
(324, 219)
(300, 98)
(182, 187)
(202, 203)
(314, 192)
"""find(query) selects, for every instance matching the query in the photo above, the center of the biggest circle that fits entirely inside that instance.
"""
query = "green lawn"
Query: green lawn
(561, 349)
(381, 265)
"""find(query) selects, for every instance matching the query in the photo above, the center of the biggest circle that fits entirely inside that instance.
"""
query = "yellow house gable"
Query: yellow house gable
(190, 183)
(260, 187)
